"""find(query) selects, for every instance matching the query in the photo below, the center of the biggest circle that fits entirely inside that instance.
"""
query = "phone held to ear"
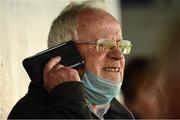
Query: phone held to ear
(35, 64)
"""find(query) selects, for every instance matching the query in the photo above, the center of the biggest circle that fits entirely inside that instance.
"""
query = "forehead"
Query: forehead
(96, 24)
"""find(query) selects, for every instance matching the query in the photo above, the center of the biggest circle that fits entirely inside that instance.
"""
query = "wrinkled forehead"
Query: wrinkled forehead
(96, 24)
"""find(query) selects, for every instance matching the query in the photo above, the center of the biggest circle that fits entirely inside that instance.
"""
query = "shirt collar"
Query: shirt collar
(99, 110)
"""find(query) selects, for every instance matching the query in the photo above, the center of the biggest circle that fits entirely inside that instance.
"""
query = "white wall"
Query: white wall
(24, 26)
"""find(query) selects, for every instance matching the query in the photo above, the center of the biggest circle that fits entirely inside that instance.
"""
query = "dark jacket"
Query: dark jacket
(65, 101)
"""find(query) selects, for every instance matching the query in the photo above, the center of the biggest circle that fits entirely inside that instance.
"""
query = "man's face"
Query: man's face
(94, 25)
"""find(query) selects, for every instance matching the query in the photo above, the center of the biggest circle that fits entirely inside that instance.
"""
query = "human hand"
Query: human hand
(55, 74)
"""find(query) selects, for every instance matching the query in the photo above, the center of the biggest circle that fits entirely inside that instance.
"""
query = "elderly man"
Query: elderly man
(88, 92)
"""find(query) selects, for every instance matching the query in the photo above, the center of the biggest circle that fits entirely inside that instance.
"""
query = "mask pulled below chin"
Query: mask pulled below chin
(98, 90)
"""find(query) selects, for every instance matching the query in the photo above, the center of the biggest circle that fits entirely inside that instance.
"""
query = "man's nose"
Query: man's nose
(115, 54)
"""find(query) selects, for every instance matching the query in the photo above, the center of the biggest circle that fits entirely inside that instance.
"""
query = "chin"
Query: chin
(117, 80)
(113, 78)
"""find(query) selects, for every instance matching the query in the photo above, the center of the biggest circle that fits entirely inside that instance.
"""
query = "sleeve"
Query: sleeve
(34, 105)
(68, 101)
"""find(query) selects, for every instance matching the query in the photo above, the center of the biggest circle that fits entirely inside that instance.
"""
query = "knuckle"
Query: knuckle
(71, 71)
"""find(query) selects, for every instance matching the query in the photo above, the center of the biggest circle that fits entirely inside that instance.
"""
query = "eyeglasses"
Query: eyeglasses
(107, 44)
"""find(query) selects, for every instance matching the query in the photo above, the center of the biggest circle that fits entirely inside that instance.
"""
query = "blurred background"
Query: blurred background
(24, 27)
(145, 21)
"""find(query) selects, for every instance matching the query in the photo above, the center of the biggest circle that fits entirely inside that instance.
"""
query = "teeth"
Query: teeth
(111, 69)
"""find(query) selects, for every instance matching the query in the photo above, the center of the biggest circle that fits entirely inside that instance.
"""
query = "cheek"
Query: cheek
(122, 64)
(94, 61)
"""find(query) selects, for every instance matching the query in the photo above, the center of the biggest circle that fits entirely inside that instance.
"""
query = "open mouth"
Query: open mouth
(111, 69)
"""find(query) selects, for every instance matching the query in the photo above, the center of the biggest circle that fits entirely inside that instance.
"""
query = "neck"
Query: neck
(81, 72)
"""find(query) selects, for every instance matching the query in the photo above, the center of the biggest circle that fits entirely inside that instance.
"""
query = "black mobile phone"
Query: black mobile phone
(35, 64)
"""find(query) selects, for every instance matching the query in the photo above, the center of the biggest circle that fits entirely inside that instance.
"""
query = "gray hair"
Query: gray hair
(64, 27)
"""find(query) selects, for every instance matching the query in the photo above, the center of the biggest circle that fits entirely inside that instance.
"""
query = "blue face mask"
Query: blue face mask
(98, 90)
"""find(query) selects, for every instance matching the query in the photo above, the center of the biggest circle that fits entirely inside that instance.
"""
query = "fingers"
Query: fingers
(54, 61)
(57, 67)
(55, 74)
